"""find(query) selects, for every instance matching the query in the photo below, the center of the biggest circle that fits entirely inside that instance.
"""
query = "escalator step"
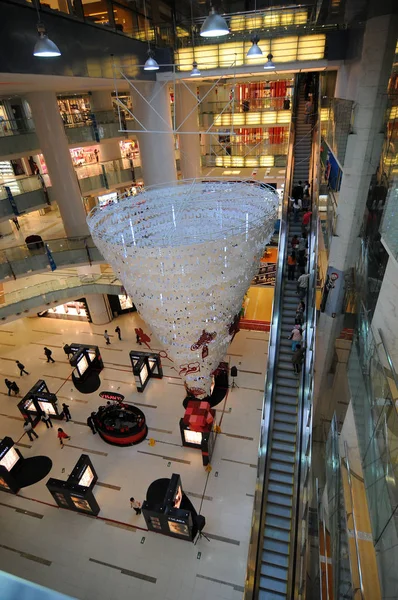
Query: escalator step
(285, 417)
(283, 446)
(275, 533)
(279, 511)
(284, 427)
(281, 499)
(283, 467)
(283, 456)
(285, 399)
(278, 523)
(284, 437)
(277, 559)
(271, 545)
(274, 572)
(279, 488)
(278, 477)
(286, 408)
(270, 595)
(271, 586)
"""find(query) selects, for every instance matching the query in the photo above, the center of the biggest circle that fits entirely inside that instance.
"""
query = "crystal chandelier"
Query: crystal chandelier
(186, 253)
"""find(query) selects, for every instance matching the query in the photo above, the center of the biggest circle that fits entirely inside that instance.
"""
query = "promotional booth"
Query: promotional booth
(38, 401)
(87, 363)
(120, 424)
(196, 428)
(16, 471)
(145, 365)
(169, 511)
(76, 493)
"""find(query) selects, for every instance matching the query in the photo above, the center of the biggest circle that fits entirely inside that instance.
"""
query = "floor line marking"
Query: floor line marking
(146, 405)
(7, 358)
(21, 510)
(73, 399)
(12, 416)
(108, 485)
(38, 559)
(221, 538)
(86, 450)
(168, 443)
(49, 332)
(159, 430)
(50, 345)
(250, 495)
(172, 383)
(251, 389)
(20, 444)
(262, 339)
(200, 496)
(239, 462)
(230, 354)
(8, 375)
(5, 344)
(122, 525)
(234, 586)
(6, 331)
(251, 372)
(125, 571)
(118, 381)
(170, 458)
(239, 437)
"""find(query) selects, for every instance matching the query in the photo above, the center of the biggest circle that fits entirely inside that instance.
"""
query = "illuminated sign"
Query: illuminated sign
(113, 396)
(10, 459)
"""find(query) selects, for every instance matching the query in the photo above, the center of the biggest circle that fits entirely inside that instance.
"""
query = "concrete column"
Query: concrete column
(100, 311)
(101, 101)
(187, 116)
(54, 145)
(362, 159)
(5, 228)
(156, 149)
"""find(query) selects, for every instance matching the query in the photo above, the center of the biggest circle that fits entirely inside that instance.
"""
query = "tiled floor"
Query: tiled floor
(83, 556)
(49, 226)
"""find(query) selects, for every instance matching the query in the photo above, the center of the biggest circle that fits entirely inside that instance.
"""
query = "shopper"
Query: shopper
(119, 333)
(300, 312)
(296, 336)
(137, 337)
(306, 201)
(14, 388)
(21, 368)
(295, 242)
(48, 354)
(298, 191)
(302, 285)
(107, 338)
(302, 262)
(308, 110)
(136, 505)
(306, 220)
(61, 435)
(66, 410)
(303, 244)
(9, 385)
(90, 422)
(297, 206)
(297, 358)
(291, 266)
(28, 428)
(307, 186)
(67, 350)
(47, 420)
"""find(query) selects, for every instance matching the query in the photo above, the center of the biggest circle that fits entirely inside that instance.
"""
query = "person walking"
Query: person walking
(308, 110)
(297, 358)
(21, 368)
(90, 422)
(107, 338)
(47, 420)
(9, 385)
(28, 428)
(136, 505)
(14, 388)
(306, 220)
(295, 242)
(137, 338)
(296, 336)
(302, 285)
(48, 354)
(66, 411)
(291, 266)
(61, 435)
(302, 263)
(67, 350)
(300, 312)
(298, 191)
(119, 333)
(297, 205)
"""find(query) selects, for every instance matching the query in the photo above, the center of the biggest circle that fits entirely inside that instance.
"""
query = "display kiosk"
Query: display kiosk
(121, 424)
(76, 493)
(196, 428)
(145, 365)
(87, 363)
(37, 401)
(169, 511)
(10, 461)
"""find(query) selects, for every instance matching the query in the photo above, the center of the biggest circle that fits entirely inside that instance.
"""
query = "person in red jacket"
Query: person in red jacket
(62, 436)
(306, 220)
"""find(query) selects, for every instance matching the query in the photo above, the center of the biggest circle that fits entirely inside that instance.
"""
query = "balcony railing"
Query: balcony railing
(337, 122)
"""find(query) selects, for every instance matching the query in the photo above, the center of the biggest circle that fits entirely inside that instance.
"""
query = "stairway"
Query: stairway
(279, 490)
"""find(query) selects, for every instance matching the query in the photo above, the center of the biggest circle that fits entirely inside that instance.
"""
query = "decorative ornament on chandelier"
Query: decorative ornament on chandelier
(186, 253)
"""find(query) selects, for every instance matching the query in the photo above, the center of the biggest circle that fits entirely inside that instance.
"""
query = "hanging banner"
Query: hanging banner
(333, 293)
(11, 200)
(50, 258)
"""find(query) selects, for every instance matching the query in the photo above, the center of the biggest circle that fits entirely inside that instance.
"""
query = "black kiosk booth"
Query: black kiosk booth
(87, 363)
(169, 511)
(38, 401)
(76, 493)
(16, 471)
(145, 365)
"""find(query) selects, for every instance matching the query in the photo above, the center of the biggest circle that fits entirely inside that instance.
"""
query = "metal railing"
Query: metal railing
(22, 252)
(16, 126)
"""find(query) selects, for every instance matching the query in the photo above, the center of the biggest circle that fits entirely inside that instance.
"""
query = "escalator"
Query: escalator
(276, 555)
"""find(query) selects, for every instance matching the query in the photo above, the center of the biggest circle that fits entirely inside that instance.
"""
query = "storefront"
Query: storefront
(129, 149)
(84, 156)
(121, 304)
(75, 310)
(74, 110)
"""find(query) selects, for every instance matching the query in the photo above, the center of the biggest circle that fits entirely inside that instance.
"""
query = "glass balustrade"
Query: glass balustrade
(16, 127)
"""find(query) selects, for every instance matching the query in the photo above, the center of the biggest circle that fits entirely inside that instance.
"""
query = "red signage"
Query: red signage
(112, 396)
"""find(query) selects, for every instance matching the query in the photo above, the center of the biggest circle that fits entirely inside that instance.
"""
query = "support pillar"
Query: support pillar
(362, 158)
(100, 311)
(101, 101)
(156, 149)
(54, 145)
(187, 115)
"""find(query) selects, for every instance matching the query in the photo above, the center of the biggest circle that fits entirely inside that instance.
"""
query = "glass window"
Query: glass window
(124, 20)
(96, 12)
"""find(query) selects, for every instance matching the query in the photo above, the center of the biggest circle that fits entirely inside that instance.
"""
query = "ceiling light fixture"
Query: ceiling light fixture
(195, 71)
(255, 50)
(215, 25)
(269, 64)
(44, 47)
(150, 64)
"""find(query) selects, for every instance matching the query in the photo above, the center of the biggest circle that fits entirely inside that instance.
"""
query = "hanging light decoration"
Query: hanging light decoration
(195, 71)
(44, 47)
(255, 50)
(150, 64)
(214, 26)
(269, 64)
(186, 253)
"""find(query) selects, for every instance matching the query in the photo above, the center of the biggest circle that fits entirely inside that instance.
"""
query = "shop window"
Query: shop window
(96, 12)
(60, 5)
(124, 19)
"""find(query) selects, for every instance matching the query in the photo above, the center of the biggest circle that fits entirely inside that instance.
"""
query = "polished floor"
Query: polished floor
(84, 556)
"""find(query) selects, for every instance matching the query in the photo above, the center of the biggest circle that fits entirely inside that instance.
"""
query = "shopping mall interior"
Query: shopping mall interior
(204, 196)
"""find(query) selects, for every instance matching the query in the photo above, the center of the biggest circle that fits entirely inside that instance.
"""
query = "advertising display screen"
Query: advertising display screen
(178, 528)
(81, 503)
(10, 459)
(47, 407)
(82, 365)
(144, 373)
(178, 497)
(87, 477)
(3, 484)
(153, 365)
(193, 437)
(29, 405)
(125, 302)
(60, 498)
